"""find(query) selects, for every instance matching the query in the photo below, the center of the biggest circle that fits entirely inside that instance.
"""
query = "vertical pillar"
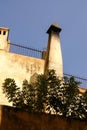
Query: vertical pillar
(53, 55)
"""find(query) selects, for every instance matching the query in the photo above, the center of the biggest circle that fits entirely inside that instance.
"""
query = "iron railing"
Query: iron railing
(27, 51)
(83, 81)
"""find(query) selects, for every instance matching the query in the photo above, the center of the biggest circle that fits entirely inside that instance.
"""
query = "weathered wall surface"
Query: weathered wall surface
(18, 67)
(11, 119)
(55, 55)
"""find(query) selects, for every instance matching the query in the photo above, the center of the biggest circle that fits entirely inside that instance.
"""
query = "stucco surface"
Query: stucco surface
(19, 68)
(55, 55)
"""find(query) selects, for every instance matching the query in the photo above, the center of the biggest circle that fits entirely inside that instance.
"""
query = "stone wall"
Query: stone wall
(18, 67)
(13, 119)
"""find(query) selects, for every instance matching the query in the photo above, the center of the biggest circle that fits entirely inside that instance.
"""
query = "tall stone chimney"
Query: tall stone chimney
(53, 55)
(4, 42)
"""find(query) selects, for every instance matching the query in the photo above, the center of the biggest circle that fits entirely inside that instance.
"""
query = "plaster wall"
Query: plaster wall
(55, 55)
(17, 67)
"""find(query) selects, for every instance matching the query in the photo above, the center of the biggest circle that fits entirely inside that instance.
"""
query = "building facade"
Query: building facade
(20, 67)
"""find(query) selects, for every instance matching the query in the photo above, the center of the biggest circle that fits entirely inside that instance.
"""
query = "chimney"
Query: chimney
(53, 58)
(4, 42)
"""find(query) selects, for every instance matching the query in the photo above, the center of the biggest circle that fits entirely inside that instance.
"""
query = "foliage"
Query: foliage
(10, 89)
(31, 97)
(41, 85)
(48, 94)
(62, 94)
(54, 92)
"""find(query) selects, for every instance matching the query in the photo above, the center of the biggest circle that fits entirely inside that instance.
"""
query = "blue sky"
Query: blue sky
(29, 20)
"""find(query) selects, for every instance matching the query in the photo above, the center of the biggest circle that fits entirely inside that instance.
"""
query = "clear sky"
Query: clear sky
(29, 20)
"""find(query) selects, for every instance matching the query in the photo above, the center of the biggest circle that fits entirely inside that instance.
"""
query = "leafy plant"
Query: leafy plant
(48, 94)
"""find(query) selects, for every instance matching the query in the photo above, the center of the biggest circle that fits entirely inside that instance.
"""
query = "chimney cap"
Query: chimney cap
(54, 27)
(4, 28)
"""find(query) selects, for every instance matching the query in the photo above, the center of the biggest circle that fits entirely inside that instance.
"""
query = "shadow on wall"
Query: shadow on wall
(16, 119)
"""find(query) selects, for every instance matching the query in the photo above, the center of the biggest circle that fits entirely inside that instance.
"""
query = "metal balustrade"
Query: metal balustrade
(27, 51)
(83, 81)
